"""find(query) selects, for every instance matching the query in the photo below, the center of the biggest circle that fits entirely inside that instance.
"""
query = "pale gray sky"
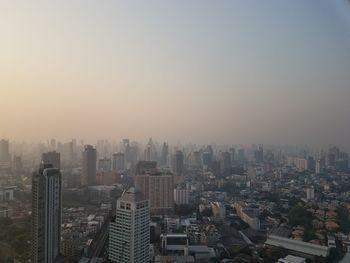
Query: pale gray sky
(227, 71)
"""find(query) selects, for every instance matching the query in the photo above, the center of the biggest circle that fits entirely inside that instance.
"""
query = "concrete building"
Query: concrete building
(5, 212)
(104, 164)
(165, 155)
(299, 163)
(158, 188)
(225, 162)
(129, 234)
(178, 163)
(4, 153)
(219, 211)
(300, 248)
(319, 167)
(143, 167)
(181, 196)
(6, 193)
(53, 158)
(118, 162)
(249, 215)
(46, 214)
(88, 176)
(310, 193)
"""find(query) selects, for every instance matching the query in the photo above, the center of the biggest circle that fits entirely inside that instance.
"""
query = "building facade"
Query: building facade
(88, 176)
(158, 188)
(118, 162)
(129, 234)
(53, 158)
(46, 214)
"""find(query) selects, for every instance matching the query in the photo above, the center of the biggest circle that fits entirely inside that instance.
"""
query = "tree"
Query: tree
(298, 215)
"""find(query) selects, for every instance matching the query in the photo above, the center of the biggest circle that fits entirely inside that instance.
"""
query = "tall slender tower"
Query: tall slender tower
(4, 152)
(129, 234)
(178, 163)
(46, 214)
(88, 176)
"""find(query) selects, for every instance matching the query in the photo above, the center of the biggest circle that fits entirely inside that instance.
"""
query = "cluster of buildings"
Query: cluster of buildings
(160, 203)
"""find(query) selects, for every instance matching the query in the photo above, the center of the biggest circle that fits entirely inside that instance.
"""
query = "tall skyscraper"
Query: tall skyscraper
(4, 152)
(158, 188)
(225, 162)
(118, 161)
(195, 159)
(165, 155)
(259, 154)
(233, 153)
(53, 158)
(178, 163)
(129, 234)
(150, 151)
(88, 176)
(46, 214)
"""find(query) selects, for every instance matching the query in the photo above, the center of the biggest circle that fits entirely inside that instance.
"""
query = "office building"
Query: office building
(143, 167)
(104, 164)
(299, 163)
(195, 160)
(233, 153)
(225, 163)
(319, 167)
(129, 234)
(88, 176)
(181, 196)
(310, 193)
(178, 163)
(4, 152)
(259, 154)
(118, 162)
(46, 214)
(158, 188)
(165, 155)
(53, 158)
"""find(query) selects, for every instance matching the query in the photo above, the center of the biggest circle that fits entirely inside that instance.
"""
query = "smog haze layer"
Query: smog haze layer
(199, 71)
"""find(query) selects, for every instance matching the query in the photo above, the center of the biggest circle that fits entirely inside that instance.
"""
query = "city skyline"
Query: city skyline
(229, 72)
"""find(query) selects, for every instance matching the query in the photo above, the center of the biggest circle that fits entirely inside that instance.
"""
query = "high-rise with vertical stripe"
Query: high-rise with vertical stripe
(46, 214)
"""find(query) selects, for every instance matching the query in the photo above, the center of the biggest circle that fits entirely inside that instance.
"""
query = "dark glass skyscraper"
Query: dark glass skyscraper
(46, 214)
(88, 176)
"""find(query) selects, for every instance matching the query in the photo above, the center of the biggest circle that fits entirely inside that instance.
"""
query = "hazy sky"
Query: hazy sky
(202, 71)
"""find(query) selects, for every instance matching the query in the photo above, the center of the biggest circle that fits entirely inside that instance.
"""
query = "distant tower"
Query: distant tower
(118, 162)
(158, 188)
(88, 176)
(53, 158)
(259, 154)
(165, 155)
(129, 234)
(104, 164)
(233, 153)
(319, 167)
(225, 162)
(46, 214)
(4, 152)
(150, 151)
(178, 163)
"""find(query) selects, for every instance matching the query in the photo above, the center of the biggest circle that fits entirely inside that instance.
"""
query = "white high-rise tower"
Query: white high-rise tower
(129, 234)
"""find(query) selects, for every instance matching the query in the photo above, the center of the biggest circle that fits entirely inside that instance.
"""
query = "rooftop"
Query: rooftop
(132, 195)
